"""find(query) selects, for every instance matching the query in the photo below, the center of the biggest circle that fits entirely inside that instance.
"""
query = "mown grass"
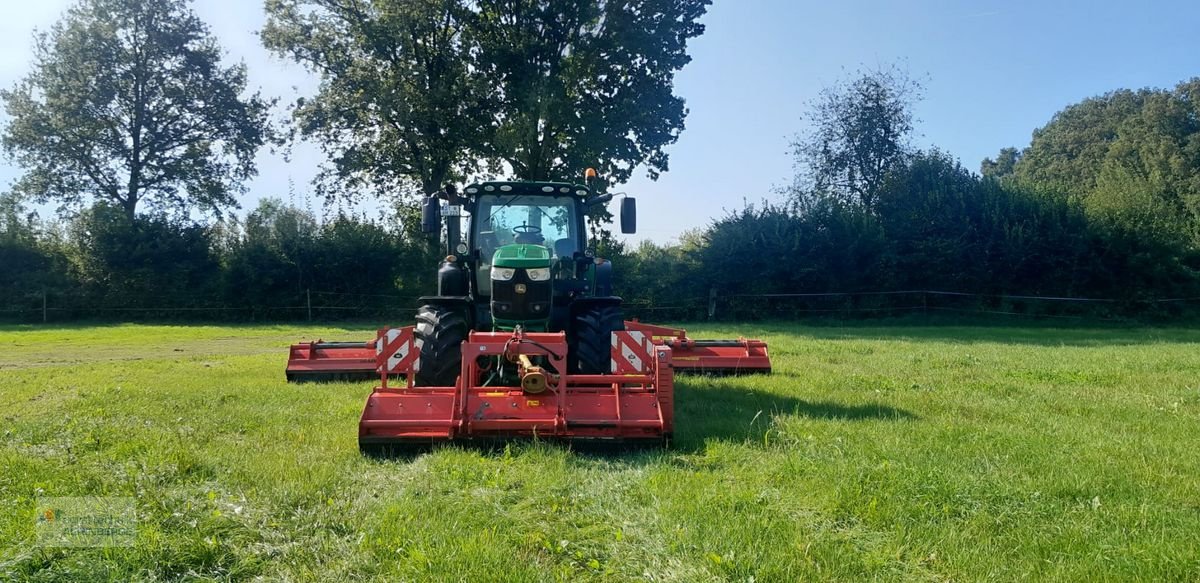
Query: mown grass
(874, 452)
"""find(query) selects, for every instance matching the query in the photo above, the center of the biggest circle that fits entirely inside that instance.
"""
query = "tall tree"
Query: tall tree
(128, 102)
(587, 83)
(860, 133)
(1068, 153)
(425, 91)
(1136, 152)
(399, 104)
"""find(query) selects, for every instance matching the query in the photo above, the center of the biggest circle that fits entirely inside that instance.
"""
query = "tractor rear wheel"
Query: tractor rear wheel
(590, 339)
(439, 335)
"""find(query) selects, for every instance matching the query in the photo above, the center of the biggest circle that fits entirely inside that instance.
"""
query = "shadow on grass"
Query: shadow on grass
(740, 413)
(702, 414)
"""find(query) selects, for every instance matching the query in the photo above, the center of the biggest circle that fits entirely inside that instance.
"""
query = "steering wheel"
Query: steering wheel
(527, 229)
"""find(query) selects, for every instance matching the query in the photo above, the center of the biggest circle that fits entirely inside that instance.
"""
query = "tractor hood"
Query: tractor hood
(522, 256)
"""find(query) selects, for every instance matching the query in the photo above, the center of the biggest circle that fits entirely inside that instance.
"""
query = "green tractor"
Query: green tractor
(524, 337)
(524, 264)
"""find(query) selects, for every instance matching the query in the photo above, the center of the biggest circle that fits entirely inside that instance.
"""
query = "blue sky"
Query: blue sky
(996, 71)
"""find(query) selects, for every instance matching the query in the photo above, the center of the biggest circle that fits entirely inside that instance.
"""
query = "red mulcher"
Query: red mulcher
(633, 404)
(524, 338)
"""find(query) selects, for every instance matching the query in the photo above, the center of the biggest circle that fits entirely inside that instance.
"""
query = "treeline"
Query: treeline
(934, 226)
(268, 266)
(1104, 204)
(937, 226)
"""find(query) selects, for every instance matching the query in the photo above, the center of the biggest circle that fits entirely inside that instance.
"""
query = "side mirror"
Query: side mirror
(431, 215)
(628, 215)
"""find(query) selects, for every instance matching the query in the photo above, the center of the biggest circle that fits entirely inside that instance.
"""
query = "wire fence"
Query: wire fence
(851, 305)
(309, 305)
(324, 305)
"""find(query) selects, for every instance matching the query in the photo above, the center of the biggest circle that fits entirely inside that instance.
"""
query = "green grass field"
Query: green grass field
(875, 451)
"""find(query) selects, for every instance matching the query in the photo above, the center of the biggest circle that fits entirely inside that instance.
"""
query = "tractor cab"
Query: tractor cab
(529, 229)
(525, 260)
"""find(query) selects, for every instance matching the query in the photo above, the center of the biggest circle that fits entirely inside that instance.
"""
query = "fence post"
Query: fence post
(44, 317)
(308, 301)
(712, 303)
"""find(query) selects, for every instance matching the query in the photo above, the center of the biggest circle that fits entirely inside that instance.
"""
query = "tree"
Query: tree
(16, 222)
(425, 91)
(128, 102)
(1130, 200)
(272, 263)
(30, 259)
(932, 215)
(1067, 153)
(1004, 165)
(860, 133)
(152, 261)
(1137, 151)
(586, 83)
(401, 102)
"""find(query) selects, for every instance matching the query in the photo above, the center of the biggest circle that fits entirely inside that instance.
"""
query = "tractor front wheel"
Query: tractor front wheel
(439, 335)
(590, 339)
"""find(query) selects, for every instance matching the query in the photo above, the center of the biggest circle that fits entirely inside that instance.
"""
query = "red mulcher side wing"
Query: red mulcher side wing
(634, 405)
(329, 361)
(718, 357)
(323, 361)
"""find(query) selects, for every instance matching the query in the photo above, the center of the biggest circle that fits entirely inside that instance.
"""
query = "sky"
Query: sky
(993, 72)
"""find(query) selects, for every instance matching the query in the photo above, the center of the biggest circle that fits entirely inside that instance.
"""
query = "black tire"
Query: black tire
(590, 338)
(439, 335)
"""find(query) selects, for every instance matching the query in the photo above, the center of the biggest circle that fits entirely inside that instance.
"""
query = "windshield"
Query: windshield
(540, 220)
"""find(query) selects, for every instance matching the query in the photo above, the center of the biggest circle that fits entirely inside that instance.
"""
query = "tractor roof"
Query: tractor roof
(528, 188)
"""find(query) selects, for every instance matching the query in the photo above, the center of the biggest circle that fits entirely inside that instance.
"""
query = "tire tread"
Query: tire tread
(439, 335)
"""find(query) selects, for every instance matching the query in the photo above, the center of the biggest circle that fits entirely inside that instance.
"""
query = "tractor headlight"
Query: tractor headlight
(539, 274)
(503, 273)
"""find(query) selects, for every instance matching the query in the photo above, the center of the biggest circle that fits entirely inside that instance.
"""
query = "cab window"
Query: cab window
(537, 220)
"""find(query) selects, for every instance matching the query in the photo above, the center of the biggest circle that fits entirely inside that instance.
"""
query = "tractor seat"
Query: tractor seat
(564, 248)
(529, 239)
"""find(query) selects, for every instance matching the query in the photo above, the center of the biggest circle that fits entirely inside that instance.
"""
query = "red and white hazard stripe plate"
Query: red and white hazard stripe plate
(632, 352)
(395, 351)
